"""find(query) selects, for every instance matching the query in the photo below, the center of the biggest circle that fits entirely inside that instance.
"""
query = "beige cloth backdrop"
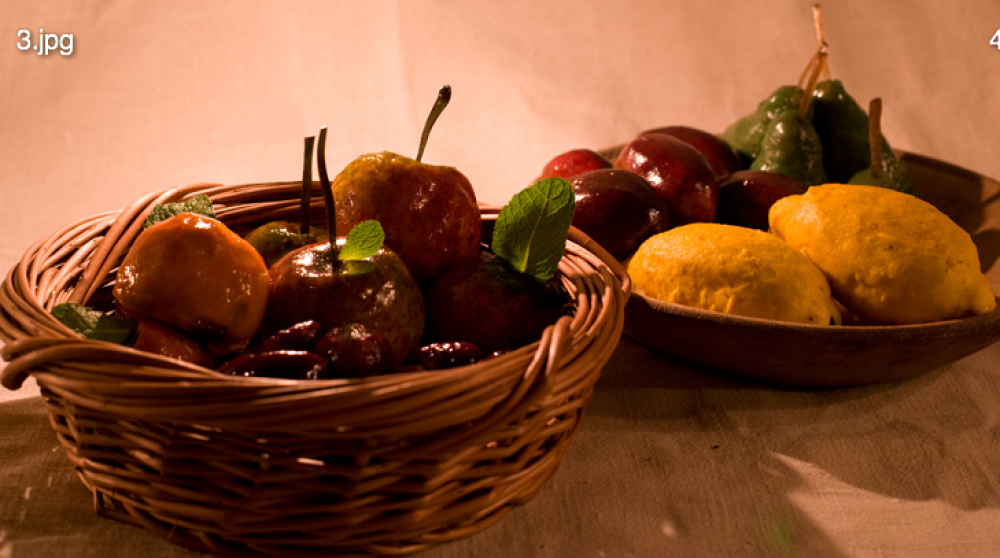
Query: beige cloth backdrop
(671, 460)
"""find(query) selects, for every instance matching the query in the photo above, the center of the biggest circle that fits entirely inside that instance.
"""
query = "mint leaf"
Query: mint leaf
(200, 204)
(362, 242)
(531, 229)
(93, 324)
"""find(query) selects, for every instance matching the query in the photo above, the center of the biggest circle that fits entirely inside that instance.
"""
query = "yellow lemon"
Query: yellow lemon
(735, 270)
(889, 257)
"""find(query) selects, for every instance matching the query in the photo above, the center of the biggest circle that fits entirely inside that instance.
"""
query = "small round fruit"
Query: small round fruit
(720, 155)
(297, 337)
(156, 337)
(746, 196)
(355, 351)
(492, 305)
(618, 210)
(678, 172)
(275, 239)
(574, 162)
(439, 356)
(292, 365)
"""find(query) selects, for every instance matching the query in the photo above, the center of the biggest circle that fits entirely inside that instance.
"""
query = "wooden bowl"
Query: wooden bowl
(809, 355)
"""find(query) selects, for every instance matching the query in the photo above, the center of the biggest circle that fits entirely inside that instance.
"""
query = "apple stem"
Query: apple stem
(875, 136)
(817, 65)
(306, 185)
(444, 95)
(820, 35)
(331, 211)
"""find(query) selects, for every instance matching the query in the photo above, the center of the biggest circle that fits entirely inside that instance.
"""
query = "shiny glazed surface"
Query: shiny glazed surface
(378, 292)
(429, 213)
(192, 272)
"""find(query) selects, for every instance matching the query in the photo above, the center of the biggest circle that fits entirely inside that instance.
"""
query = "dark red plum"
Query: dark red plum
(571, 163)
(720, 155)
(745, 197)
(618, 209)
(678, 172)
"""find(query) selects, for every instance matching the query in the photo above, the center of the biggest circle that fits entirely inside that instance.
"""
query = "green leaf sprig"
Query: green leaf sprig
(362, 242)
(531, 230)
(94, 324)
(200, 204)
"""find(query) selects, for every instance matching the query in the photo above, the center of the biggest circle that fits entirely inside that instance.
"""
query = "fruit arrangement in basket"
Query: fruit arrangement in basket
(800, 211)
(398, 280)
(420, 280)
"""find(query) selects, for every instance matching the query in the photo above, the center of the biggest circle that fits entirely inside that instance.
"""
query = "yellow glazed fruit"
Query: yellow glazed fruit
(890, 258)
(735, 270)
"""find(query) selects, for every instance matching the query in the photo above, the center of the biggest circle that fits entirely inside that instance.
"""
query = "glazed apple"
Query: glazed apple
(492, 305)
(429, 212)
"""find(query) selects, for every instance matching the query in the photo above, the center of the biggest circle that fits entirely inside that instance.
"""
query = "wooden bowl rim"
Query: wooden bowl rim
(846, 331)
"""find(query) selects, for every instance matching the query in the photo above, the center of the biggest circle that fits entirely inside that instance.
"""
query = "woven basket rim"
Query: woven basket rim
(39, 335)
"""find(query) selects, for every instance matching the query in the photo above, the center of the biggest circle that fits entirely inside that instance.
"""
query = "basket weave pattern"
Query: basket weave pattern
(387, 465)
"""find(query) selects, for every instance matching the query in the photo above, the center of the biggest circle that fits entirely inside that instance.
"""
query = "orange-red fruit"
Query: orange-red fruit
(195, 274)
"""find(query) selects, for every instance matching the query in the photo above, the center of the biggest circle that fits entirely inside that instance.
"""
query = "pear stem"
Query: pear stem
(306, 185)
(444, 96)
(875, 136)
(820, 35)
(807, 93)
(331, 211)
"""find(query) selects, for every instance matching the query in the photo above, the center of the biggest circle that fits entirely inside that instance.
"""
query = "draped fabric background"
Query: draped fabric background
(671, 460)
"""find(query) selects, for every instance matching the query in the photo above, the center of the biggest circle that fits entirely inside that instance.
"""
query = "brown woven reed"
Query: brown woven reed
(387, 465)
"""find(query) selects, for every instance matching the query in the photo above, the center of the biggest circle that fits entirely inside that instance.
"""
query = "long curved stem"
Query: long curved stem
(444, 96)
(811, 84)
(820, 34)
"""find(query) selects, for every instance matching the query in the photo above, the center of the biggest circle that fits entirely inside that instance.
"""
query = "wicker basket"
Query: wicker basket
(386, 465)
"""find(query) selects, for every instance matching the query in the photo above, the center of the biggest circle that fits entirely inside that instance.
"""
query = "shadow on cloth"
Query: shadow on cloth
(933, 437)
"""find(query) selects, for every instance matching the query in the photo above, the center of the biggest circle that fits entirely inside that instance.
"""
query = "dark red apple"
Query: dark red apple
(618, 209)
(678, 172)
(571, 163)
(719, 154)
(378, 292)
(492, 305)
(746, 196)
